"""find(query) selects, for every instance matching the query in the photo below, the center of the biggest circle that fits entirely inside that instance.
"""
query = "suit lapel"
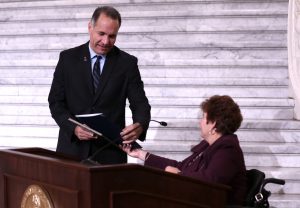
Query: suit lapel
(85, 67)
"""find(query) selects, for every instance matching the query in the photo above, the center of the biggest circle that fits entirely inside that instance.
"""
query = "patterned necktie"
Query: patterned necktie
(96, 73)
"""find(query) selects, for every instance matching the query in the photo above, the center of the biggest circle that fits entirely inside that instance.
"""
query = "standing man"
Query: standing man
(98, 77)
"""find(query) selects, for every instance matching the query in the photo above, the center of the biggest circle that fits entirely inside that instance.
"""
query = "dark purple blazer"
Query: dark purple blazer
(222, 162)
(72, 93)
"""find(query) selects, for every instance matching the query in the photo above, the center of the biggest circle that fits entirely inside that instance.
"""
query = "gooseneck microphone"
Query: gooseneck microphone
(162, 123)
(90, 160)
(116, 142)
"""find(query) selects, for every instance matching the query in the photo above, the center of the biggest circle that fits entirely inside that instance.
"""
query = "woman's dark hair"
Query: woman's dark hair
(108, 11)
(224, 111)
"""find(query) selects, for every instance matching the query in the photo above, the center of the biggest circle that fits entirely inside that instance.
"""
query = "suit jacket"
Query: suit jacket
(72, 93)
(222, 162)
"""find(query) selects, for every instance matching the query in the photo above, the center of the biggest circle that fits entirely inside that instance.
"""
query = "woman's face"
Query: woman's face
(205, 127)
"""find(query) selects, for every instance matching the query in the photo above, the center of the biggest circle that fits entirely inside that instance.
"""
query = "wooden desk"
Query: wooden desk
(70, 184)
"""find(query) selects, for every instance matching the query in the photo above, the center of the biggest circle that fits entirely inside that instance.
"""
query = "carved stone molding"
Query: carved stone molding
(294, 52)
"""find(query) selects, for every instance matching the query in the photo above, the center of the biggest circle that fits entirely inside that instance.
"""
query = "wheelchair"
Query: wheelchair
(257, 195)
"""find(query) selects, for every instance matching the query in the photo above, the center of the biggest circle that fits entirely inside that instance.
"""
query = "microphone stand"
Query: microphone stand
(90, 160)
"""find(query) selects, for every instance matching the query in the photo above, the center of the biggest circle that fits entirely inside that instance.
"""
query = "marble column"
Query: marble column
(294, 52)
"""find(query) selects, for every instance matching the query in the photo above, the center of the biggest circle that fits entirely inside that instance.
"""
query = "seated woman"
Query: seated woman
(218, 157)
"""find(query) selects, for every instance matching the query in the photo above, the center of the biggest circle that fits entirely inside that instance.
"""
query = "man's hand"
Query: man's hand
(84, 134)
(131, 133)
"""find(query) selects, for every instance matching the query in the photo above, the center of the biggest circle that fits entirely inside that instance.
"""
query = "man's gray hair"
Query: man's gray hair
(108, 11)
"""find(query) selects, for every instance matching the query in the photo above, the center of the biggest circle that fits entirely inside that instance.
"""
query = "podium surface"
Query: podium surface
(66, 183)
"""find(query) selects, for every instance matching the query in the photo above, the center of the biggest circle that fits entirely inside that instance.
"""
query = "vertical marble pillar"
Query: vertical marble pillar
(294, 52)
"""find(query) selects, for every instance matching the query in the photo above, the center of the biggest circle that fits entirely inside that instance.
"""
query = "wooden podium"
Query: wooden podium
(35, 176)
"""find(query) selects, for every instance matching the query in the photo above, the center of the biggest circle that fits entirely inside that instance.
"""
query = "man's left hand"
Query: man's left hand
(131, 133)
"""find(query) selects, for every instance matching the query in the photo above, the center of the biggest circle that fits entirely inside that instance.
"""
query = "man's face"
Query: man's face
(103, 34)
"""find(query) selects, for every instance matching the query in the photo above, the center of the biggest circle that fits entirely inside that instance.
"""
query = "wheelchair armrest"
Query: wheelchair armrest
(272, 180)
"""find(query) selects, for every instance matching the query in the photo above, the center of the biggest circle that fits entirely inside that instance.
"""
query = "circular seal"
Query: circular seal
(36, 197)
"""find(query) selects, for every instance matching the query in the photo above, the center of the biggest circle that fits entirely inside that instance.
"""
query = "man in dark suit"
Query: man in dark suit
(76, 89)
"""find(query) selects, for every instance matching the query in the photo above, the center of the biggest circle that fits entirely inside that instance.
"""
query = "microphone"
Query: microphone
(162, 123)
(90, 160)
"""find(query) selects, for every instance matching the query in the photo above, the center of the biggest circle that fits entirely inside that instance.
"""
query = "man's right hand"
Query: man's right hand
(84, 134)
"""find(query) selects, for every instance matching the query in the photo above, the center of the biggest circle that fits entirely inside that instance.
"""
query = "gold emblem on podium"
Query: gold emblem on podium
(36, 197)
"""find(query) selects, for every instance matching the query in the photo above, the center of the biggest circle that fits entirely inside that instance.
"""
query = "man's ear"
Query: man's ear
(90, 26)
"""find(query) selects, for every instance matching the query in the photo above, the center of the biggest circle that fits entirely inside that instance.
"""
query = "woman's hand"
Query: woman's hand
(136, 153)
(172, 169)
